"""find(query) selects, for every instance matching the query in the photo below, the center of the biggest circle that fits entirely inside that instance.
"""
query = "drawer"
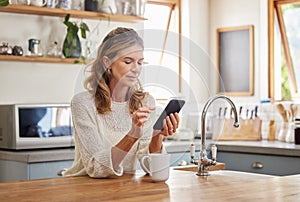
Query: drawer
(263, 164)
(47, 169)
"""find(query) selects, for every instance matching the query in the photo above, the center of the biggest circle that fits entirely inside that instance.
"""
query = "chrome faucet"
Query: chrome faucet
(204, 162)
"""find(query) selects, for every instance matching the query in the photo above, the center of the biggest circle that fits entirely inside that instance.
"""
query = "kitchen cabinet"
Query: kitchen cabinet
(15, 170)
(260, 163)
(55, 12)
(178, 157)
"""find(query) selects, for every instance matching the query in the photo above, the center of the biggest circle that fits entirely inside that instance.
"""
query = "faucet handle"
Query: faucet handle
(192, 151)
(214, 152)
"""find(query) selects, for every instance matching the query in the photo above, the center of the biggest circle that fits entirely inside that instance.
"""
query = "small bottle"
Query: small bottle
(297, 130)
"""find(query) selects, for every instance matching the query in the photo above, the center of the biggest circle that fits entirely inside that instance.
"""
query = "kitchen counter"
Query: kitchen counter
(255, 147)
(181, 186)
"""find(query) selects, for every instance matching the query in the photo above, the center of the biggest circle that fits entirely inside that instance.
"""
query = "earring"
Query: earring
(108, 71)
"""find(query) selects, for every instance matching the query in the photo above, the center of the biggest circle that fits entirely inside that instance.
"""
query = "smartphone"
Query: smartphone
(173, 106)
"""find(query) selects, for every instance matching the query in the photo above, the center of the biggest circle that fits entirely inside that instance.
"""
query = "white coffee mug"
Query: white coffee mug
(52, 3)
(157, 165)
(39, 3)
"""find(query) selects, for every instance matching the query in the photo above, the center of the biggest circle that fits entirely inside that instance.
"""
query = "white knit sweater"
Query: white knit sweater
(95, 134)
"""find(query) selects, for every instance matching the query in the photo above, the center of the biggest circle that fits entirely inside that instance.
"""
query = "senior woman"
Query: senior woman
(113, 120)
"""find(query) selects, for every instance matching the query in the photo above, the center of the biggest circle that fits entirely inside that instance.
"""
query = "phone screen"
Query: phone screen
(172, 107)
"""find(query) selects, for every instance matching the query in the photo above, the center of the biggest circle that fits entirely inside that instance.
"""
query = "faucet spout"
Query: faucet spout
(204, 112)
(203, 161)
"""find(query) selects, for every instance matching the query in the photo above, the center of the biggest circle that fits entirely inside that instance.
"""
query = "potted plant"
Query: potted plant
(72, 44)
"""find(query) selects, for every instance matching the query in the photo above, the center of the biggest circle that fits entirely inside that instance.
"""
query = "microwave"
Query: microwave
(35, 126)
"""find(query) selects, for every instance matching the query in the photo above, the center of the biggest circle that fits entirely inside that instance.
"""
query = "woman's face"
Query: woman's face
(126, 66)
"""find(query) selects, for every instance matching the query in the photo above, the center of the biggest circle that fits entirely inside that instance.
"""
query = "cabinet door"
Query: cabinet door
(47, 169)
(263, 164)
(13, 171)
(176, 158)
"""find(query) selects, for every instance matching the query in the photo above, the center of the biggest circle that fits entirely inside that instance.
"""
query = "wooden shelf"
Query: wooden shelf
(13, 58)
(56, 12)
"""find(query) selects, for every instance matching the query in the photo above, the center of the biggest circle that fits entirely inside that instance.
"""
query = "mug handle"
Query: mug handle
(44, 2)
(146, 158)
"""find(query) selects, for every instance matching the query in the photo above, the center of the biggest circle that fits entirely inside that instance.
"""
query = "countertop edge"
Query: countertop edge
(37, 156)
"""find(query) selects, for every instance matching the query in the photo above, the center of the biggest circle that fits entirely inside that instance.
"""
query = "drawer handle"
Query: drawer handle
(182, 163)
(60, 172)
(257, 165)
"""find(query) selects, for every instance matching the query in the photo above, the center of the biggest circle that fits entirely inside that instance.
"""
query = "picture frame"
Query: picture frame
(235, 60)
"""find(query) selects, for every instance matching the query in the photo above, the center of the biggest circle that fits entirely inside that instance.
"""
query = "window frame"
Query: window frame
(274, 8)
(176, 6)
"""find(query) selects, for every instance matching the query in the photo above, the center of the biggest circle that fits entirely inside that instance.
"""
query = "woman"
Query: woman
(113, 119)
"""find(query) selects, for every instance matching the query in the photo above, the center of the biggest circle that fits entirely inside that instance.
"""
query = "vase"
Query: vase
(72, 49)
(91, 5)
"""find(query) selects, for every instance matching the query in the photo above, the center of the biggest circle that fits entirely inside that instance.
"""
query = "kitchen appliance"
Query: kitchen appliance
(33, 126)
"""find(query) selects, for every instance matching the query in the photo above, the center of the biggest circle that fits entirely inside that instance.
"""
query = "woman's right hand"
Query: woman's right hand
(139, 118)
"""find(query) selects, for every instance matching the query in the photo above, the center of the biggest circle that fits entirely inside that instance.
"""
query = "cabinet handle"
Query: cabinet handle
(182, 163)
(257, 165)
(60, 172)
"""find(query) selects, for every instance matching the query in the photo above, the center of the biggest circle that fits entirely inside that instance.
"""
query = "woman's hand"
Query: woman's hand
(139, 118)
(170, 124)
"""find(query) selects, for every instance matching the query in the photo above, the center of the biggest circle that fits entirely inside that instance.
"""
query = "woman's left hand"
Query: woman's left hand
(170, 124)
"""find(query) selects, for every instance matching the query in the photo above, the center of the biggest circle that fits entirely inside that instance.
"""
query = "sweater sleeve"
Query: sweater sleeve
(144, 142)
(94, 149)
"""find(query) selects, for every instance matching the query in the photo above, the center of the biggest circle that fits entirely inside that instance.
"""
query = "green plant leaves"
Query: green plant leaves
(4, 2)
(69, 37)
(72, 42)
(67, 51)
(73, 28)
(67, 17)
(83, 29)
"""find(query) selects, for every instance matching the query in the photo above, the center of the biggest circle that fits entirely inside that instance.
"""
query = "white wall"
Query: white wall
(26, 82)
(200, 74)
(230, 13)
(205, 16)
(43, 82)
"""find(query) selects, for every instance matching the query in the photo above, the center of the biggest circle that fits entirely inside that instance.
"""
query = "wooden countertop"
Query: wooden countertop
(181, 186)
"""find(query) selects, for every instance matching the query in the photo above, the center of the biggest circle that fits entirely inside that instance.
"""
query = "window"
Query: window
(162, 48)
(284, 42)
